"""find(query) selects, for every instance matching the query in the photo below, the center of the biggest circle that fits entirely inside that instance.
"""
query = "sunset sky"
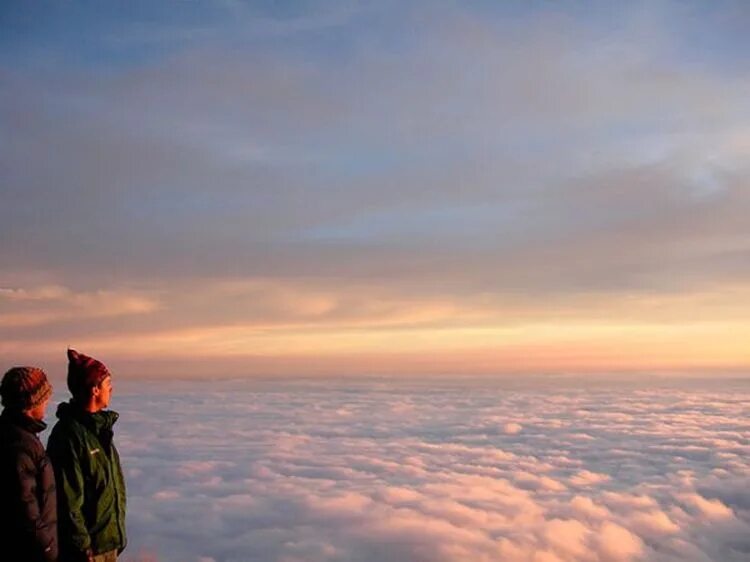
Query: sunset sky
(342, 187)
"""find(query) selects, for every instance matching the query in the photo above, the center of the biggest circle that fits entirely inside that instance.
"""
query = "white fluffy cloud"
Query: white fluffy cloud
(314, 471)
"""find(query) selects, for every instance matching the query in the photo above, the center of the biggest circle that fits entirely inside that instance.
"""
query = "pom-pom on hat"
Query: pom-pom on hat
(24, 388)
(84, 372)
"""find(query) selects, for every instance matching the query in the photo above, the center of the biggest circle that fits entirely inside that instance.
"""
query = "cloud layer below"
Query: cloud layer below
(547, 470)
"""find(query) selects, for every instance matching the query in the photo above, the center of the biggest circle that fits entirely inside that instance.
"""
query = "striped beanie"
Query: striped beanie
(84, 372)
(24, 388)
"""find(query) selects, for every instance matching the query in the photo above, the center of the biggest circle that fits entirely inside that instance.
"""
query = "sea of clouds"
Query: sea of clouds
(436, 470)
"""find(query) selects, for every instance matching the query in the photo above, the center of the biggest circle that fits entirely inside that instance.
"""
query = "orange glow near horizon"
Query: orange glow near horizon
(360, 330)
(481, 350)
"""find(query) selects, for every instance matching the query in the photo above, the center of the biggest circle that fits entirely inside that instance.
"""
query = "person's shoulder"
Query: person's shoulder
(19, 443)
(67, 433)
(11, 437)
(15, 430)
(8, 430)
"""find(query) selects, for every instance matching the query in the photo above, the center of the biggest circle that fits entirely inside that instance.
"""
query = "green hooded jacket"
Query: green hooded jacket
(90, 484)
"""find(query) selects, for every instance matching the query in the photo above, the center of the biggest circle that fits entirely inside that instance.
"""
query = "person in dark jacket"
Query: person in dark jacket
(90, 483)
(28, 513)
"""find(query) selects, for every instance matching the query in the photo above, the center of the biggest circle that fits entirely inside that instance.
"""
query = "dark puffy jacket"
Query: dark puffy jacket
(90, 484)
(28, 515)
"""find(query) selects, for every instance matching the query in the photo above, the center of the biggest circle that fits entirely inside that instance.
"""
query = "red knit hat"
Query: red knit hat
(24, 388)
(84, 372)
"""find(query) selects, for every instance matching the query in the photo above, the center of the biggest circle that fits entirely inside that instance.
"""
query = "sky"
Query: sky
(435, 470)
(356, 188)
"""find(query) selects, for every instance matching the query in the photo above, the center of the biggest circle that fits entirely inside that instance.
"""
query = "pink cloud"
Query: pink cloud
(616, 544)
(710, 509)
(587, 478)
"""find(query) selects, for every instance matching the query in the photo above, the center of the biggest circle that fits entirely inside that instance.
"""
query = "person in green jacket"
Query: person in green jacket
(90, 484)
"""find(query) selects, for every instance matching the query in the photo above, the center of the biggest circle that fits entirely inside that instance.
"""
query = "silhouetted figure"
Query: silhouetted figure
(28, 512)
(90, 484)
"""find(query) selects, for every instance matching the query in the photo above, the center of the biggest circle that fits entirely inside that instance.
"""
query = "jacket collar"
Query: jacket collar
(96, 422)
(23, 421)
